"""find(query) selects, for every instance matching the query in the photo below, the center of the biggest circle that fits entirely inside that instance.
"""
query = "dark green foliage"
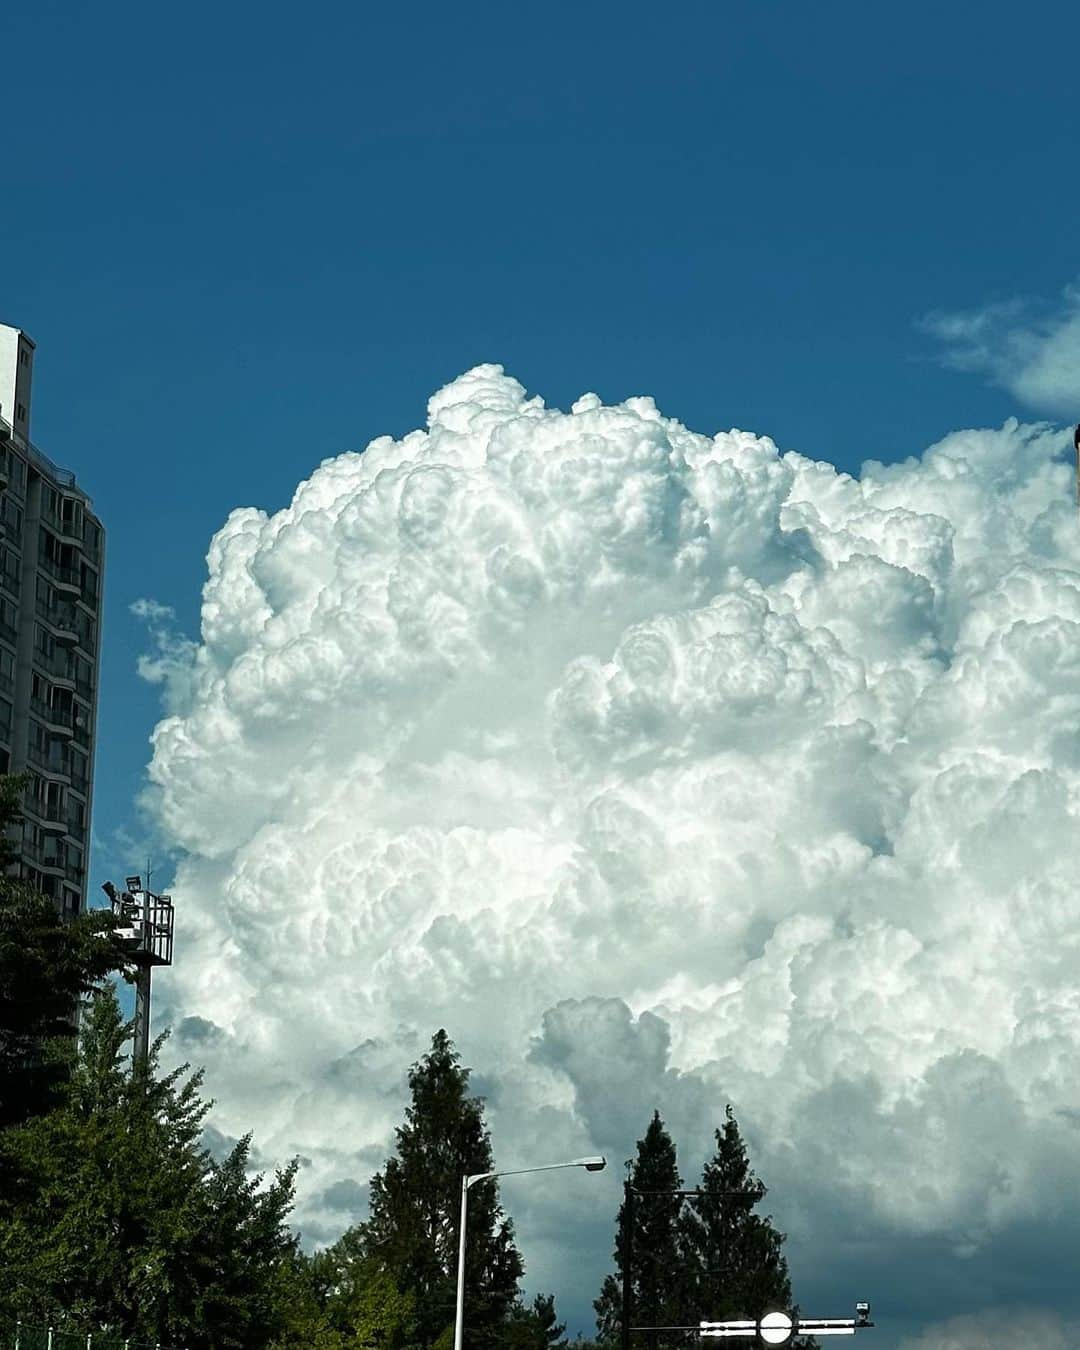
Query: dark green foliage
(302, 1289)
(341, 1298)
(708, 1257)
(658, 1285)
(535, 1327)
(117, 1218)
(734, 1256)
(47, 964)
(412, 1233)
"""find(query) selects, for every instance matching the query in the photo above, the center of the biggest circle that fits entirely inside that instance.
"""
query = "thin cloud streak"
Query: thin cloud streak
(1029, 348)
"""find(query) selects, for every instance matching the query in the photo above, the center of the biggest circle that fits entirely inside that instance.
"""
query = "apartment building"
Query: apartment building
(52, 551)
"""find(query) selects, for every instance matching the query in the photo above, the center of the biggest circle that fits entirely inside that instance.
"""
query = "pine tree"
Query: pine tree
(734, 1256)
(117, 1218)
(47, 964)
(536, 1327)
(412, 1231)
(657, 1279)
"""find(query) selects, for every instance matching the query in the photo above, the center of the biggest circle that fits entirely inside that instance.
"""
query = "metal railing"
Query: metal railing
(61, 572)
(22, 1336)
(40, 459)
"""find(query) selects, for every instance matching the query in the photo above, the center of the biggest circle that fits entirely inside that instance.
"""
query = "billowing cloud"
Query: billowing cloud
(663, 770)
(1030, 348)
(1033, 1328)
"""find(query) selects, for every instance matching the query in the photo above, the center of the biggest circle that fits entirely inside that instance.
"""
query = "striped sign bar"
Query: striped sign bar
(777, 1328)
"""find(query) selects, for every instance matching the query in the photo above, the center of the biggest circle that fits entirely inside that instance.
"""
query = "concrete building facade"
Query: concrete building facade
(52, 554)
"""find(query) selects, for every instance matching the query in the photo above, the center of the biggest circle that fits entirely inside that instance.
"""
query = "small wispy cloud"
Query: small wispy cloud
(170, 660)
(1029, 347)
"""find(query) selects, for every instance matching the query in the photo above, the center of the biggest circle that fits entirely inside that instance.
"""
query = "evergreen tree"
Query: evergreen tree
(117, 1218)
(657, 1279)
(47, 964)
(536, 1327)
(733, 1256)
(412, 1232)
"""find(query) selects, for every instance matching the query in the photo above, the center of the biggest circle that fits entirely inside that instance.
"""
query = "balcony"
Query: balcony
(63, 621)
(49, 816)
(57, 766)
(44, 855)
(64, 577)
(59, 672)
(58, 721)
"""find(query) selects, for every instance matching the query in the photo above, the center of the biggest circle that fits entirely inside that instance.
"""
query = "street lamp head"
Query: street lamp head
(591, 1164)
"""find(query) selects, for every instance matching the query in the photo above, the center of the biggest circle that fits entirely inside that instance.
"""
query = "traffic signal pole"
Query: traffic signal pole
(628, 1260)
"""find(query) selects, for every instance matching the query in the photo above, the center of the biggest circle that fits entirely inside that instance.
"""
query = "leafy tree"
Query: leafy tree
(361, 1303)
(303, 1287)
(733, 1255)
(118, 1219)
(657, 1277)
(412, 1232)
(47, 964)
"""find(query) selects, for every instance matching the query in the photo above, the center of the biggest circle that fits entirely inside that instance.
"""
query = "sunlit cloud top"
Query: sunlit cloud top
(663, 769)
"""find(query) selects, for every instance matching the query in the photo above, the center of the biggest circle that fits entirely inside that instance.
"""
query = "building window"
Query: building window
(12, 570)
(71, 515)
(9, 620)
(84, 676)
(89, 582)
(20, 412)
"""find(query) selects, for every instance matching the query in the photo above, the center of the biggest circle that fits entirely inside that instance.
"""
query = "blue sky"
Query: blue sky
(246, 238)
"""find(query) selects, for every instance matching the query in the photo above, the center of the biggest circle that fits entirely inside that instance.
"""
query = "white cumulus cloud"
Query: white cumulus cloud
(664, 770)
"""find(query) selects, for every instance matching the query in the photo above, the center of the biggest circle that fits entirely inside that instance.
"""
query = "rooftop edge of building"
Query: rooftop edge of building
(41, 461)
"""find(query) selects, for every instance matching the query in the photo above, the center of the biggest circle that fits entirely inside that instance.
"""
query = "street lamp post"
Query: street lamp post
(590, 1165)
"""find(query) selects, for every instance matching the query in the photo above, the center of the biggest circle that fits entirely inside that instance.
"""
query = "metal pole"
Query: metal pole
(1076, 444)
(459, 1311)
(142, 1013)
(48, 1344)
(628, 1259)
(18, 1333)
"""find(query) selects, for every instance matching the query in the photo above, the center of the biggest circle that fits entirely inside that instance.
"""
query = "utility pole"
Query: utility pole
(1076, 447)
(146, 934)
(628, 1256)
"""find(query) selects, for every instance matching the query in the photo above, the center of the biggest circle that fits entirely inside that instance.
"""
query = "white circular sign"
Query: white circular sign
(775, 1328)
